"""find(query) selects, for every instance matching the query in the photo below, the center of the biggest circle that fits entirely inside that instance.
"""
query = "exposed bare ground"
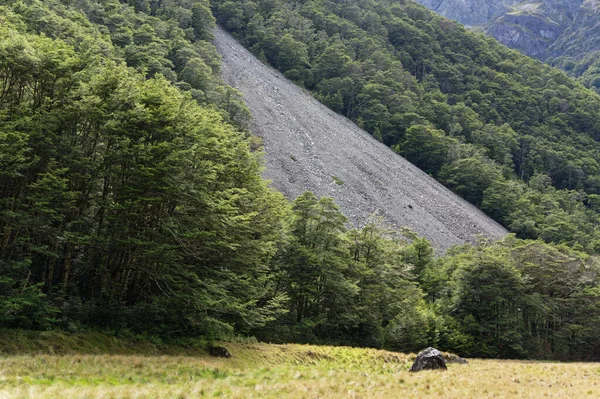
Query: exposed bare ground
(310, 147)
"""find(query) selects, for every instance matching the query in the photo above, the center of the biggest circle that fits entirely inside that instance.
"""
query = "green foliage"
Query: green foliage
(518, 299)
(170, 38)
(425, 147)
(470, 177)
(315, 267)
(489, 292)
(337, 180)
(202, 21)
(124, 203)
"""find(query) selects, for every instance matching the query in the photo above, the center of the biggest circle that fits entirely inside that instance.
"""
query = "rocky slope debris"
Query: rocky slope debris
(309, 147)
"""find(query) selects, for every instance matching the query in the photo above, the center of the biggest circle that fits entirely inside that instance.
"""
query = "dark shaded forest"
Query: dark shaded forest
(131, 200)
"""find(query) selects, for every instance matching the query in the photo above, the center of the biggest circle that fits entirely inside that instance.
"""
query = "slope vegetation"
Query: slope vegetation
(120, 193)
(130, 203)
(560, 32)
(310, 147)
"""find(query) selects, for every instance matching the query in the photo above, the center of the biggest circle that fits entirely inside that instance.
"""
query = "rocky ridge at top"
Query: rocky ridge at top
(545, 29)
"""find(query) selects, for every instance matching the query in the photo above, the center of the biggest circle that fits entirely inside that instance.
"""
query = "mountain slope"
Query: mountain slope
(561, 32)
(511, 135)
(310, 147)
(531, 26)
(583, 35)
(469, 13)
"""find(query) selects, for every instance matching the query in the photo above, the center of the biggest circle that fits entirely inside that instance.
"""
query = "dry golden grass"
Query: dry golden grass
(287, 371)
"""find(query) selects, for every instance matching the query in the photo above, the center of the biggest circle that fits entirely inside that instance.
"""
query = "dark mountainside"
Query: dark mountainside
(565, 33)
(533, 27)
(310, 147)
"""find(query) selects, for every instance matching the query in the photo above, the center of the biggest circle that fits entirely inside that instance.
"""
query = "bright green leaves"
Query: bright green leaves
(34, 68)
(198, 75)
(316, 264)
(352, 286)
(292, 58)
(203, 21)
(490, 290)
(426, 147)
(333, 62)
(120, 192)
(470, 177)
(518, 299)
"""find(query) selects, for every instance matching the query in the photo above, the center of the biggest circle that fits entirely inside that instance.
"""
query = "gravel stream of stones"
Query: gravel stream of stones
(309, 147)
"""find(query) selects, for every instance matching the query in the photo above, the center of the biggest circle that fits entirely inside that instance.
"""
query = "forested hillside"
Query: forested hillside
(127, 199)
(560, 32)
(515, 137)
(131, 202)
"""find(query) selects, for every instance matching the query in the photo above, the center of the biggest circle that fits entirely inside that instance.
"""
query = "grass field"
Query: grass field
(274, 371)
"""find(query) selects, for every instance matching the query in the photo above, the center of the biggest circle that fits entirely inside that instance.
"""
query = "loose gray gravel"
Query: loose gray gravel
(307, 144)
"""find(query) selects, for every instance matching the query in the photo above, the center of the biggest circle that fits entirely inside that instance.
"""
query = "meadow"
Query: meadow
(54, 365)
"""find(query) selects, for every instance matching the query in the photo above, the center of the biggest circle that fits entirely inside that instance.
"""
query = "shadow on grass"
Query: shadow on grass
(24, 342)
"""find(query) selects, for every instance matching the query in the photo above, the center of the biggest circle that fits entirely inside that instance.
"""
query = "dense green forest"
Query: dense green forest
(127, 199)
(131, 200)
(585, 69)
(513, 136)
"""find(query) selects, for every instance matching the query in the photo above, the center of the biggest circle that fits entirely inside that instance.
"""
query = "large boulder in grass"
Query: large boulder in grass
(219, 351)
(429, 359)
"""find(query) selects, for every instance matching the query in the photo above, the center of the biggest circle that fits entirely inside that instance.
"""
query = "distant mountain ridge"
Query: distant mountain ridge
(564, 33)
(583, 34)
(470, 13)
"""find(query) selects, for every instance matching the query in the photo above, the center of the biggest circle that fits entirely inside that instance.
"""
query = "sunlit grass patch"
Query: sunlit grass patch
(285, 371)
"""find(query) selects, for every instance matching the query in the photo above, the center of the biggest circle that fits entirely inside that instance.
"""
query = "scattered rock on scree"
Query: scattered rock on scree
(306, 143)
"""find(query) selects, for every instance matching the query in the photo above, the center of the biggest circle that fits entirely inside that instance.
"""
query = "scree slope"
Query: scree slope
(309, 147)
